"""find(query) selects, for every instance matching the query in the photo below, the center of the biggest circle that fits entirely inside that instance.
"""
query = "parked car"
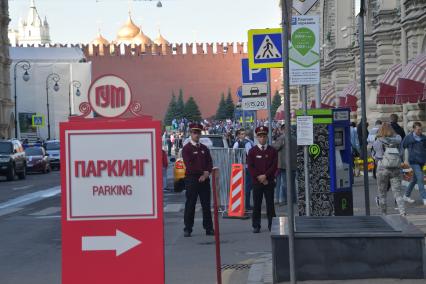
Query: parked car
(12, 159)
(53, 150)
(37, 160)
(211, 141)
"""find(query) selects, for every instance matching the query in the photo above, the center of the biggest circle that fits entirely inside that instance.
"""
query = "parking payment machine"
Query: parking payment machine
(330, 165)
(341, 178)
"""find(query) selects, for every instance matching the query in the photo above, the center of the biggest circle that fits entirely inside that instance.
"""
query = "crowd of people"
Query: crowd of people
(266, 171)
(393, 152)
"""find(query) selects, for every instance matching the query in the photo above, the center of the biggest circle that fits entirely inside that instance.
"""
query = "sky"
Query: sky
(180, 21)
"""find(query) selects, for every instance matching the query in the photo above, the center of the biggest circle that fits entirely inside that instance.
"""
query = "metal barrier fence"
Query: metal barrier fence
(223, 158)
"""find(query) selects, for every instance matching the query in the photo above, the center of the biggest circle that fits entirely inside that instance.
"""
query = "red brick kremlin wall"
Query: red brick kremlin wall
(156, 72)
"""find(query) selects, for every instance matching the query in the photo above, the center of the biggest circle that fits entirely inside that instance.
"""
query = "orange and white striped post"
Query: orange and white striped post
(236, 208)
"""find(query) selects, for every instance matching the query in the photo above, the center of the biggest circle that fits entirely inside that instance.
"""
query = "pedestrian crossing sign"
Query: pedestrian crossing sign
(38, 120)
(265, 48)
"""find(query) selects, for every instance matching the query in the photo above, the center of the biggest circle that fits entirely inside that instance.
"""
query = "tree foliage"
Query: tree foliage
(171, 111)
(191, 110)
(230, 107)
(180, 105)
(221, 109)
(276, 102)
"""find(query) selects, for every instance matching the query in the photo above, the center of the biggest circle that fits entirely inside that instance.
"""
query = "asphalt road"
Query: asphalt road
(30, 239)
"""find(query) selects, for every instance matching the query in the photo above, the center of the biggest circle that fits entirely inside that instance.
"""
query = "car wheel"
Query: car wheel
(11, 174)
(23, 174)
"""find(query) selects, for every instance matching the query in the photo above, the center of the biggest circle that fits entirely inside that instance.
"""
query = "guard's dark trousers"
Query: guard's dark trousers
(260, 190)
(194, 189)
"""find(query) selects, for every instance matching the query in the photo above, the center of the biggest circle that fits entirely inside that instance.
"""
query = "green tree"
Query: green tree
(221, 109)
(180, 105)
(276, 102)
(230, 107)
(171, 111)
(191, 110)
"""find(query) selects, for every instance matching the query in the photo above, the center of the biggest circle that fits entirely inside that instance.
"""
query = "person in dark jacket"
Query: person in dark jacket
(281, 189)
(262, 162)
(359, 132)
(394, 123)
(415, 142)
(199, 165)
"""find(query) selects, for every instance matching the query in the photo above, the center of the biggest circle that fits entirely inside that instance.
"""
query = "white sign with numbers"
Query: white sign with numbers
(254, 103)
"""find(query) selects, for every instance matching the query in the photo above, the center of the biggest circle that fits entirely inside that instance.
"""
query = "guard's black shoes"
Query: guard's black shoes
(210, 232)
(256, 230)
(187, 234)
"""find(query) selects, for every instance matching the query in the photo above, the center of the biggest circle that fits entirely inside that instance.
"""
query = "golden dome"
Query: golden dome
(141, 38)
(100, 40)
(161, 40)
(128, 31)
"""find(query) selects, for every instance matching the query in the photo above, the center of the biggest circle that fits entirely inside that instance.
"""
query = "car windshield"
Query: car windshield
(52, 146)
(210, 141)
(5, 148)
(34, 151)
(215, 141)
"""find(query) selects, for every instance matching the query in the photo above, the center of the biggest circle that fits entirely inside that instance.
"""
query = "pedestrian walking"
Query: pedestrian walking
(169, 144)
(387, 154)
(244, 143)
(415, 142)
(394, 123)
(262, 163)
(198, 162)
(165, 165)
(281, 187)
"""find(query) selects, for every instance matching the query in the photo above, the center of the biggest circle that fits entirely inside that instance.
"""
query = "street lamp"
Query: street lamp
(54, 78)
(25, 65)
(75, 84)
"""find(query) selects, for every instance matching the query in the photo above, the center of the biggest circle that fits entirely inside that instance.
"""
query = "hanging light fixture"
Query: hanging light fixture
(159, 4)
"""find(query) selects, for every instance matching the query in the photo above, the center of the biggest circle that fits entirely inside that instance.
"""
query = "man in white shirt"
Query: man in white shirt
(244, 143)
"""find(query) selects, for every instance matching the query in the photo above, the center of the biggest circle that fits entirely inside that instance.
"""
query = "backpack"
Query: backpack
(391, 157)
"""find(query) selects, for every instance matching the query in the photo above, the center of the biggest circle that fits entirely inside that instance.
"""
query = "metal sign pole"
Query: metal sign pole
(286, 7)
(268, 94)
(306, 156)
(363, 109)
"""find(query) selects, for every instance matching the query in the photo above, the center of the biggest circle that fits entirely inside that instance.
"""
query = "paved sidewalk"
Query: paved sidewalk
(261, 269)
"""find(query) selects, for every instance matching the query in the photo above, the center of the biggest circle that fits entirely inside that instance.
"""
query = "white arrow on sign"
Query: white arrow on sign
(121, 243)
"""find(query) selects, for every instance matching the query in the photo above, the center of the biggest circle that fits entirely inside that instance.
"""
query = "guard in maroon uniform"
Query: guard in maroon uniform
(262, 162)
(198, 163)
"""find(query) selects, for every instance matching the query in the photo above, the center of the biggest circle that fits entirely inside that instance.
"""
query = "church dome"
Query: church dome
(128, 31)
(161, 40)
(141, 38)
(100, 40)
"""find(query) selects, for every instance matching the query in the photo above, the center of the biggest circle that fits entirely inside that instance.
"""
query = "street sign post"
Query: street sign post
(303, 6)
(255, 103)
(37, 120)
(252, 76)
(265, 48)
(305, 51)
(112, 213)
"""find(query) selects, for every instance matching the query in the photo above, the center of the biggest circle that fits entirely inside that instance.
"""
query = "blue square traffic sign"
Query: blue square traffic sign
(265, 48)
(251, 76)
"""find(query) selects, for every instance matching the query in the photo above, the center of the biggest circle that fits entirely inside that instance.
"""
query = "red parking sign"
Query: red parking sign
(112, 213)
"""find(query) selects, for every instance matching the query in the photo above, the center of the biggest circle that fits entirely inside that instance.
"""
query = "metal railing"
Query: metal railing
(223, 158)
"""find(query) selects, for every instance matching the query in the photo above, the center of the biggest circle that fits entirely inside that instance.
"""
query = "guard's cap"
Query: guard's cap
(195, 127)
(261, 130)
